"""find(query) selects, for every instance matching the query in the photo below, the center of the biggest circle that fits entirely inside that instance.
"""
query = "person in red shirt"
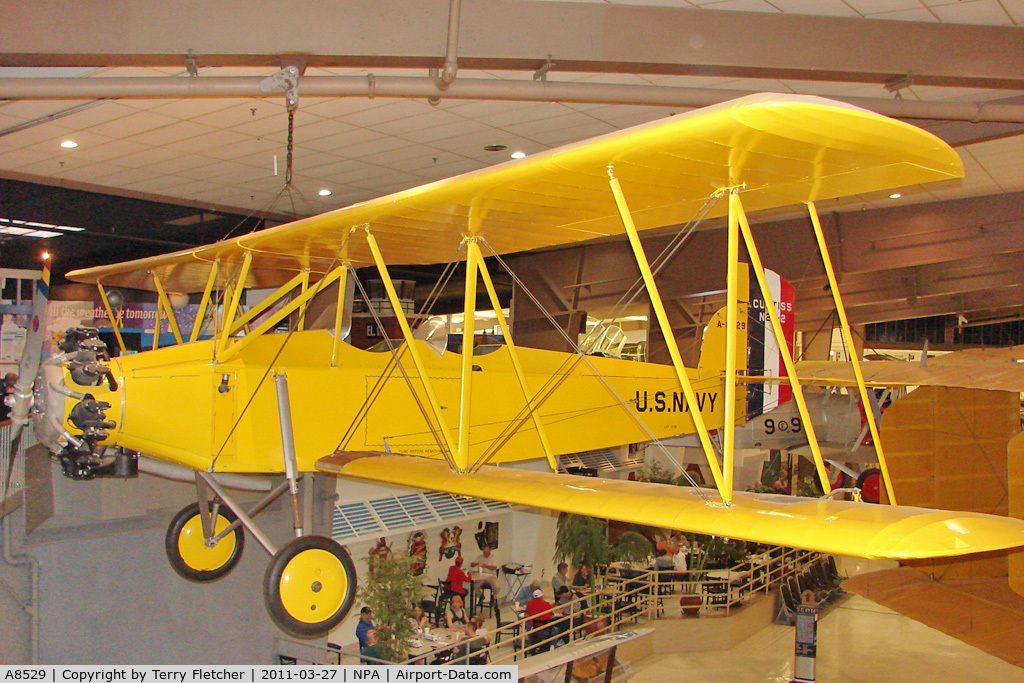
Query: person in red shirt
(540, 612)
(457, 578)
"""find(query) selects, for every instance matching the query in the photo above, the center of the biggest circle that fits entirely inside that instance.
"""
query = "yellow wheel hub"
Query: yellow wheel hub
(313, 586)
(194, 551)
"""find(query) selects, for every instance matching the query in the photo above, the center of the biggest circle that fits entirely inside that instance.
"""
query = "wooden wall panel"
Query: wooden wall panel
(947, 448)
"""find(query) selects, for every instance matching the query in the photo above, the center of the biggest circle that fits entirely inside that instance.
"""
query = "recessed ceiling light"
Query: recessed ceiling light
(325, 192)
(895, 195)
(495, 148)
(68, 144)
(518, 154)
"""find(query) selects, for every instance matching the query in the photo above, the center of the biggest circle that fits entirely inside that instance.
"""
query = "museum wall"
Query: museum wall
(108, 594)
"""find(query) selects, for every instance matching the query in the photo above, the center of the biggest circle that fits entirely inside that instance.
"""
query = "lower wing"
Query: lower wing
(829, 526)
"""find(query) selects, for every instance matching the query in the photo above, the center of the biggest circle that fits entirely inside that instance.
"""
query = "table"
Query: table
(431, 642)
(515, 578)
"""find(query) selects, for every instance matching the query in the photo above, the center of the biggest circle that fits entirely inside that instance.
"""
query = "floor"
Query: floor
(858, 640)
(983, 611)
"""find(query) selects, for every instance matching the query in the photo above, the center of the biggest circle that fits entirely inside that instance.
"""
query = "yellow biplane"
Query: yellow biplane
(249, 400)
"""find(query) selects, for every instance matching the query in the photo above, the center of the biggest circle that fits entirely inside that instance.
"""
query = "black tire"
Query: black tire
(187, 551)
(870, 484)
(309, 586)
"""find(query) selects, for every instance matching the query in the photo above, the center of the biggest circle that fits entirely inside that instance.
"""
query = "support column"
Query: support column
(166, 303)
(339, 314)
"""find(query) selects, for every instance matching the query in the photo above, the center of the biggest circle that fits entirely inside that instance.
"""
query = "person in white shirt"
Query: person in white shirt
(485, 565)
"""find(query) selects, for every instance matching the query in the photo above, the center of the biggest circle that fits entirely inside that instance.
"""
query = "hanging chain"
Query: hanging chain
(291, 133)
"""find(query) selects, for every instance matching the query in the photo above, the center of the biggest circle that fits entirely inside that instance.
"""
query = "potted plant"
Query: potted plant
(391, 592)
(584, 540)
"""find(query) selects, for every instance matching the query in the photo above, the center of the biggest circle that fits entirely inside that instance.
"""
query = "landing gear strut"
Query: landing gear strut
(310, 583)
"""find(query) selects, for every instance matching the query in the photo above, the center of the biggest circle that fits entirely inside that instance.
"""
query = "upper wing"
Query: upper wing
(830, 526)
(967, 372)
(786, 149)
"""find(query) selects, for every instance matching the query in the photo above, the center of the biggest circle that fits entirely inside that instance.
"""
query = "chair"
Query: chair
(832, 570)
(442, 598)
(786, 612)
(512, 628)
(490, 602)
(716, 592)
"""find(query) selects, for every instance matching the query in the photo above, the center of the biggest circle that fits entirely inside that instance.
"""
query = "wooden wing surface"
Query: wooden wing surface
(785, 149)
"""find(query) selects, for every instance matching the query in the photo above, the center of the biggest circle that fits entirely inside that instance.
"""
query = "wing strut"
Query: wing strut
(339, 314)
(844, 323)
(204, 303)
(736, 206)
(163, 301)
(468, 330)
(110, 314)
(396, 306)
(229, 314)
(474, 248)
(723, 485)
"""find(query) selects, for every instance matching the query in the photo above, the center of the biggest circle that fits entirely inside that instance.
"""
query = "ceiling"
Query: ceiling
(229, 154)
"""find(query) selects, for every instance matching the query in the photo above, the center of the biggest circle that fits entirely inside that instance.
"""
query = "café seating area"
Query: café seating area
(625, 594)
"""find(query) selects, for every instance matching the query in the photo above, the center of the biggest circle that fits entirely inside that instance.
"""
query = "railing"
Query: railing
(12, 466)
(626, 596)
(720, 589)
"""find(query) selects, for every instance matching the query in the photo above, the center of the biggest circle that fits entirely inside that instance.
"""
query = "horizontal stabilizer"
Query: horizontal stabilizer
(829, 526)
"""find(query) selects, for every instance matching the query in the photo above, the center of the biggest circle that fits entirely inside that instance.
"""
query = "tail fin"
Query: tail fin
(764, 354)
(758, 352)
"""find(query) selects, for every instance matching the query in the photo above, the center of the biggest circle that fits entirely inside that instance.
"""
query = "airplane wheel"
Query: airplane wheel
(870, 484)
(188, 552)
(310, 585)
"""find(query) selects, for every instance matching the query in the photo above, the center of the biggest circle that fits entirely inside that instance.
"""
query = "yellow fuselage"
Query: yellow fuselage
(177, 405)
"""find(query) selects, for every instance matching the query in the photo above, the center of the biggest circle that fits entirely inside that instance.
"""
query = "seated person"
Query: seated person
(540, 613)
(525, 593)
(369, 653)
(581, 583)
(364, 626)
(561, 577)
(664, 561)
(568, 613)
(679, 562)
(455, 616)
(420, 620)
(472, 643)
(581, 580)
(486, 565)
(457, 578)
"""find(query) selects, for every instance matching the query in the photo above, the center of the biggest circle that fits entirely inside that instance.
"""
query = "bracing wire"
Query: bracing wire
(395, 361)
(277, 354)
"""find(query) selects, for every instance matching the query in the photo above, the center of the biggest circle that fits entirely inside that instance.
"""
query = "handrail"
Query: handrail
(10, 488)
(620, 599)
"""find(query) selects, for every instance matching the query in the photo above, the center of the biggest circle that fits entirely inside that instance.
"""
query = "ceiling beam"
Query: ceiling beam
(1007, 299)
(504, 34)
(978, 273)
(429, 88)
